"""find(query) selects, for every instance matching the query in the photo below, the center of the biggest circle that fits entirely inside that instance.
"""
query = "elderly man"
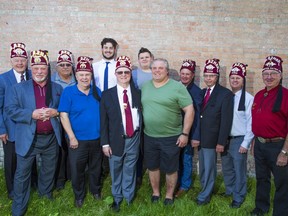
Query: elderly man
(64, 76)
(187, 76)
(215, 125)
(120, 132)
(163, 101)
(269, 124)
(234, 160)
(32, 105)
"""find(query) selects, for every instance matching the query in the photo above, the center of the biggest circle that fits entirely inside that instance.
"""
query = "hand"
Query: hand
(40, 114)
(73, 143)
(182, 141)
(4, 138)
(107, 151)
(219, 148)
(282, 160)
(195, 143)
(51, 112)
(243, 150)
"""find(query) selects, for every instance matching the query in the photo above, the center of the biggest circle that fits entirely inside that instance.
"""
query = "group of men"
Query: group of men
(101, 107)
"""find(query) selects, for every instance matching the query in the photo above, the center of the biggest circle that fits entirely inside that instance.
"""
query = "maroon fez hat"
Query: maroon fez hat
(123, 61)
(238, 69)
(189, 64)
(39, 57)
(273, 63)
(84, 63)
(18, 50)
(212, 66)
(65, 56)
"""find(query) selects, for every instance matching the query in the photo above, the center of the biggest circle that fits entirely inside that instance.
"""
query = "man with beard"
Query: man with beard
(104, 69)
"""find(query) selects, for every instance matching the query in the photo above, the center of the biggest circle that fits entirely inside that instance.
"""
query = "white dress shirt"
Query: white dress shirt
(18, 76)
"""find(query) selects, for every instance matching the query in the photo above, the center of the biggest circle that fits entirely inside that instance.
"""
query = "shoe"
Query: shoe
(235, 204)
(180, 193)
(225, 194)
(201, 203)
(257, 212)
(168, 201)
(155, 199)
(115, 207)
(97, 196)
(79, 203)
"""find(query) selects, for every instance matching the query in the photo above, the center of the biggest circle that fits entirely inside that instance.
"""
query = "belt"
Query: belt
(270, 140)
(129, 137)
(45, 133)
(234, 137)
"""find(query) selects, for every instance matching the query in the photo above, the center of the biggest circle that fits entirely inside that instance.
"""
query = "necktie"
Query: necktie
(106, 76)
(128, 115)
(22, 78)
(206, 98)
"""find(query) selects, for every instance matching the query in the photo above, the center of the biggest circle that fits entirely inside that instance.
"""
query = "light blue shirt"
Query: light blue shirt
(57, 79)
(242, 120)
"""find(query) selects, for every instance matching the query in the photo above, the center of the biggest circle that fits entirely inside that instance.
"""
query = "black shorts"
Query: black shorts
(161, 153)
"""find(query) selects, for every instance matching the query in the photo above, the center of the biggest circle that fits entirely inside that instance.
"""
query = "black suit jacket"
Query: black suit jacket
(216, 118)
(112, 129)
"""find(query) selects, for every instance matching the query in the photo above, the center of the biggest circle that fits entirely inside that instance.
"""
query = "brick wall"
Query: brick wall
(231, 30)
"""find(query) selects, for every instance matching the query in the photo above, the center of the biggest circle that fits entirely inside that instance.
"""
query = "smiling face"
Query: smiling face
(236, 82)
(271, 78)
(210, 79)
(123, 76)
(186, 76)
(64, 69)
(84, 79)
(159, 71)
(108, 51)
(19, 64)
(39, 73)
(145, 60)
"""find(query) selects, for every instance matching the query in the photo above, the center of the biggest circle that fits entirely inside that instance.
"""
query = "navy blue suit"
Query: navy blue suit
(19, 107)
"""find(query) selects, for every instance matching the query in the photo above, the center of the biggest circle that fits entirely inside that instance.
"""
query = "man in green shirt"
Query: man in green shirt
(166, 131)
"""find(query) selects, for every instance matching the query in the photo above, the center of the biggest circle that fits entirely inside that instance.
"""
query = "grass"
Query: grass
(64, 202)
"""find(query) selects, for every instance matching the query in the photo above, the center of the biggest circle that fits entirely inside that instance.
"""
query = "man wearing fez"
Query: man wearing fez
(64, 76)
(120, 132)
(215, 125)
(187, 75)
(166, 130)
(234, 161)
(270, 127)
(32, 105)
(18, 73)
(80, 116)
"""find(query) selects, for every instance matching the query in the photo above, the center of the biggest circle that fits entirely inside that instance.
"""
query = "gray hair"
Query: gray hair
(161, 60)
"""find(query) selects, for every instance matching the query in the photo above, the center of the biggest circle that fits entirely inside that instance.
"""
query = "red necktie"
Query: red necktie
(206, 98)
(128, 115)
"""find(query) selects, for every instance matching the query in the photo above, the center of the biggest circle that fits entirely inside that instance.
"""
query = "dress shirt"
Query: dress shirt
(99, 68)
(242, 120)
(18, 76)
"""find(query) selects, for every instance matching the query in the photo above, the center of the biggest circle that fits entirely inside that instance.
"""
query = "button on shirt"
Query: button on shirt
(134, 111)
(99, 68)
(242, 120)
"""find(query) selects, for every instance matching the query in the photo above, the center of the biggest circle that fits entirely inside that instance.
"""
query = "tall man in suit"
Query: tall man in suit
(18, 73)
(120, 132)
(215, 125)
(32, 105)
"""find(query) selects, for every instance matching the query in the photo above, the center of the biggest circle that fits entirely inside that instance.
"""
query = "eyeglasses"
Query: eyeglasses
(271, 74)
(65, 65)
(209, 76)
(123, 72)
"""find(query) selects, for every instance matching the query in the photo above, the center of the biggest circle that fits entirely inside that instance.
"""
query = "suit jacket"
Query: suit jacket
(112, 129)
(20, 105)
(216, 118)
(7, 126)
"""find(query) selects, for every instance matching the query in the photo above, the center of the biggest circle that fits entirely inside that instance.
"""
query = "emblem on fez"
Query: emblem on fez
(37, 59)
(82, 65)
(65, 57)
(122, 63)
(270, 64)
(186, 64)
(210, 67)
(18, 51)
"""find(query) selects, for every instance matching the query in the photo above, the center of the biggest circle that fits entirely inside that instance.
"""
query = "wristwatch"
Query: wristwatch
(284, 152)
(185, 134)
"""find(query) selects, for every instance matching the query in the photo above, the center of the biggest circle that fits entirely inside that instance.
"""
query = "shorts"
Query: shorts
(161, 153)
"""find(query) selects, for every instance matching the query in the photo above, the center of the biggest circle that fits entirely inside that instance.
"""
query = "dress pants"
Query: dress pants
(234, 169)
(123, 170)
(47, 147)
(265, 155)
(208, 172)
(88, 153)
(185, 168)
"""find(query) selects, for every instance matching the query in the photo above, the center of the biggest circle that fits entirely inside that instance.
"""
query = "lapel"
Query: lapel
(29, 90)
(212, 99)
(11, 77)
(115, 100)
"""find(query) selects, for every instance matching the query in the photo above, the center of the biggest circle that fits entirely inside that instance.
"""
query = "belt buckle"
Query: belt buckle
(261, 139)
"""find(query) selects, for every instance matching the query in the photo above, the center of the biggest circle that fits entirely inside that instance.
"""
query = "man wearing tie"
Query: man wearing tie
(215, 124)
(120, 132)
(18, 73)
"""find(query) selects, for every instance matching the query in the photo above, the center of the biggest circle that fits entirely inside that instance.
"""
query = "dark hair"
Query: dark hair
(109, 40)
(144, 50)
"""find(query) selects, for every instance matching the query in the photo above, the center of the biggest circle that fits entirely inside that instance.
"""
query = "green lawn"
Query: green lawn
(64, 202)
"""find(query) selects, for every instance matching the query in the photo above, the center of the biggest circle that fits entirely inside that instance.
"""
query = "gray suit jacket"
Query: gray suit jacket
(20, 105)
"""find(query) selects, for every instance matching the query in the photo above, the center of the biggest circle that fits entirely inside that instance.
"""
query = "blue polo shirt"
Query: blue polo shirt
(83, 111)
